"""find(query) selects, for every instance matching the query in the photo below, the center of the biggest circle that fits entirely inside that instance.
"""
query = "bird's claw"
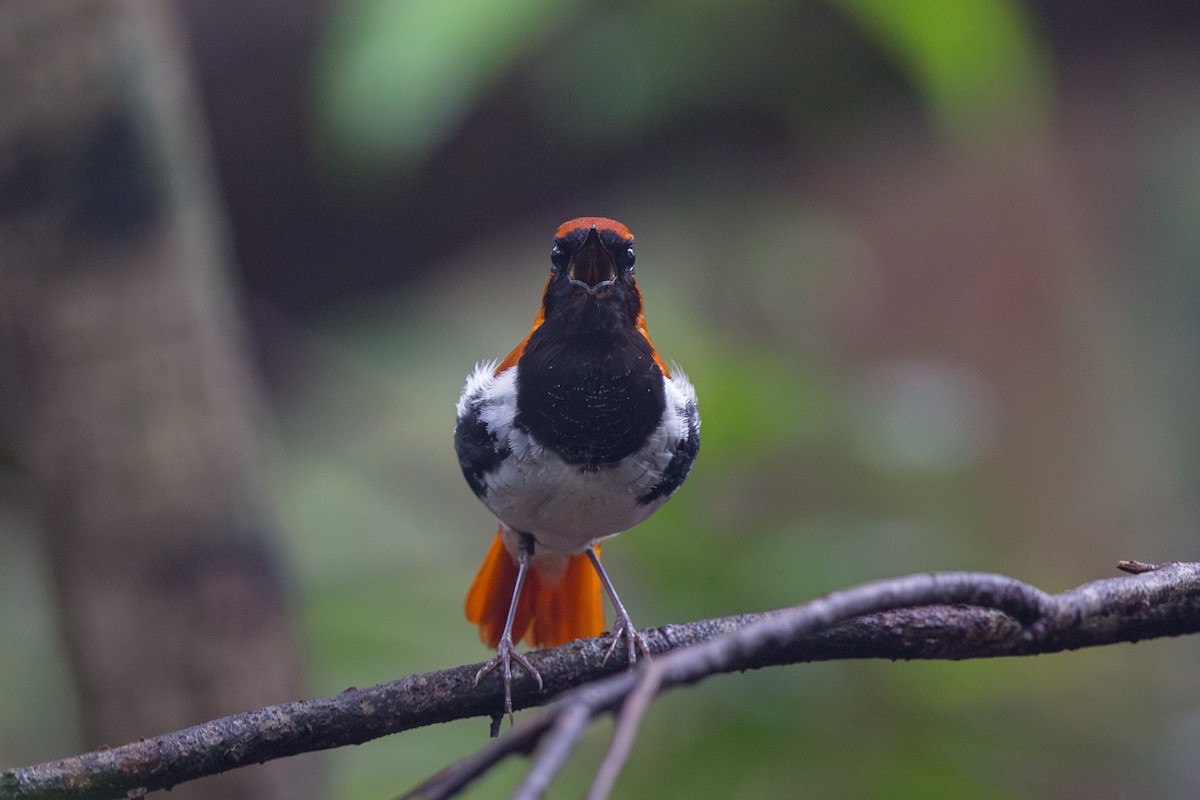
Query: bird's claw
(506, 653)
(634, 641)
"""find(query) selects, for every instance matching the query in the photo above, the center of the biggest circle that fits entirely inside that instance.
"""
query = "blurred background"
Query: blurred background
(930, 264)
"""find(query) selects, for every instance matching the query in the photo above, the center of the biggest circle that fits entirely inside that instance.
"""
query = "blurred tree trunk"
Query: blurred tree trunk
(134, 408)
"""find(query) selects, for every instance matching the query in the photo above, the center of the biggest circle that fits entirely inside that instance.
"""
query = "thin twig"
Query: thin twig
(636, 702)
(1164, 598)
(454, 778)
(571, 724)
(1017, 599)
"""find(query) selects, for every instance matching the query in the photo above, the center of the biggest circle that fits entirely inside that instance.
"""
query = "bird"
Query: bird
(581, 432)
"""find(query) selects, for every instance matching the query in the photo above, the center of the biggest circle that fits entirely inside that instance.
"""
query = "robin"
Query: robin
(580, 433)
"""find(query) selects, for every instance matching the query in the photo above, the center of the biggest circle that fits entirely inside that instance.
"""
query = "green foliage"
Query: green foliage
(979, 63)
(396, 78)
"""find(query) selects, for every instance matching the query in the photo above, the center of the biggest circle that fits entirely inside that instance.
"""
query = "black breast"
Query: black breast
(591, 396)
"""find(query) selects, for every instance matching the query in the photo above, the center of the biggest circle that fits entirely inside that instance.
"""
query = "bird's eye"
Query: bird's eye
(627, 260)
(558, 257)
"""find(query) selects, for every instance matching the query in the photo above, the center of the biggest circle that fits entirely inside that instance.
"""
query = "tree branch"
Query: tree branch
(932, 616)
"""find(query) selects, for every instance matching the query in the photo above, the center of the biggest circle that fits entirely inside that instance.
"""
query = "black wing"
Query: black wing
(681, 461)
(477, 449)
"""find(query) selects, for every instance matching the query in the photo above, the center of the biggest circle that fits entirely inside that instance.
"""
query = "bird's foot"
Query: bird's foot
(634, 641)
(506, 653)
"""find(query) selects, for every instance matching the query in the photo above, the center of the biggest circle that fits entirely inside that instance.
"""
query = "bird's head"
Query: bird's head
(592, 271)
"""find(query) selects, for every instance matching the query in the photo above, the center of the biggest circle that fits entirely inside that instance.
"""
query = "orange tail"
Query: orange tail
(548, 614)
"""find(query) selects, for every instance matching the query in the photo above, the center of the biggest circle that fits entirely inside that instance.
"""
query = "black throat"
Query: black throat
(588, 387)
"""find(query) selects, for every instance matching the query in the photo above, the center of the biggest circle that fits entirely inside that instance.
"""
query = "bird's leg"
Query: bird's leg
(622, 625)
(506, 651)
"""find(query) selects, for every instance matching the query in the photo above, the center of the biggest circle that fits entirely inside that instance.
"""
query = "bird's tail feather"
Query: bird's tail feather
(555, 606)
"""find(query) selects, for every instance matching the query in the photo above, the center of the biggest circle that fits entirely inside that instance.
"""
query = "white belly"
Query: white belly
(566, 508)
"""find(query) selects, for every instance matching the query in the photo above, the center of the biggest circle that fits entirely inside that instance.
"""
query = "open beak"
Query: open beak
(592, 267)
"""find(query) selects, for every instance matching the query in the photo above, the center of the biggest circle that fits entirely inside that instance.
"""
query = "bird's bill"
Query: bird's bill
(592, 266)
